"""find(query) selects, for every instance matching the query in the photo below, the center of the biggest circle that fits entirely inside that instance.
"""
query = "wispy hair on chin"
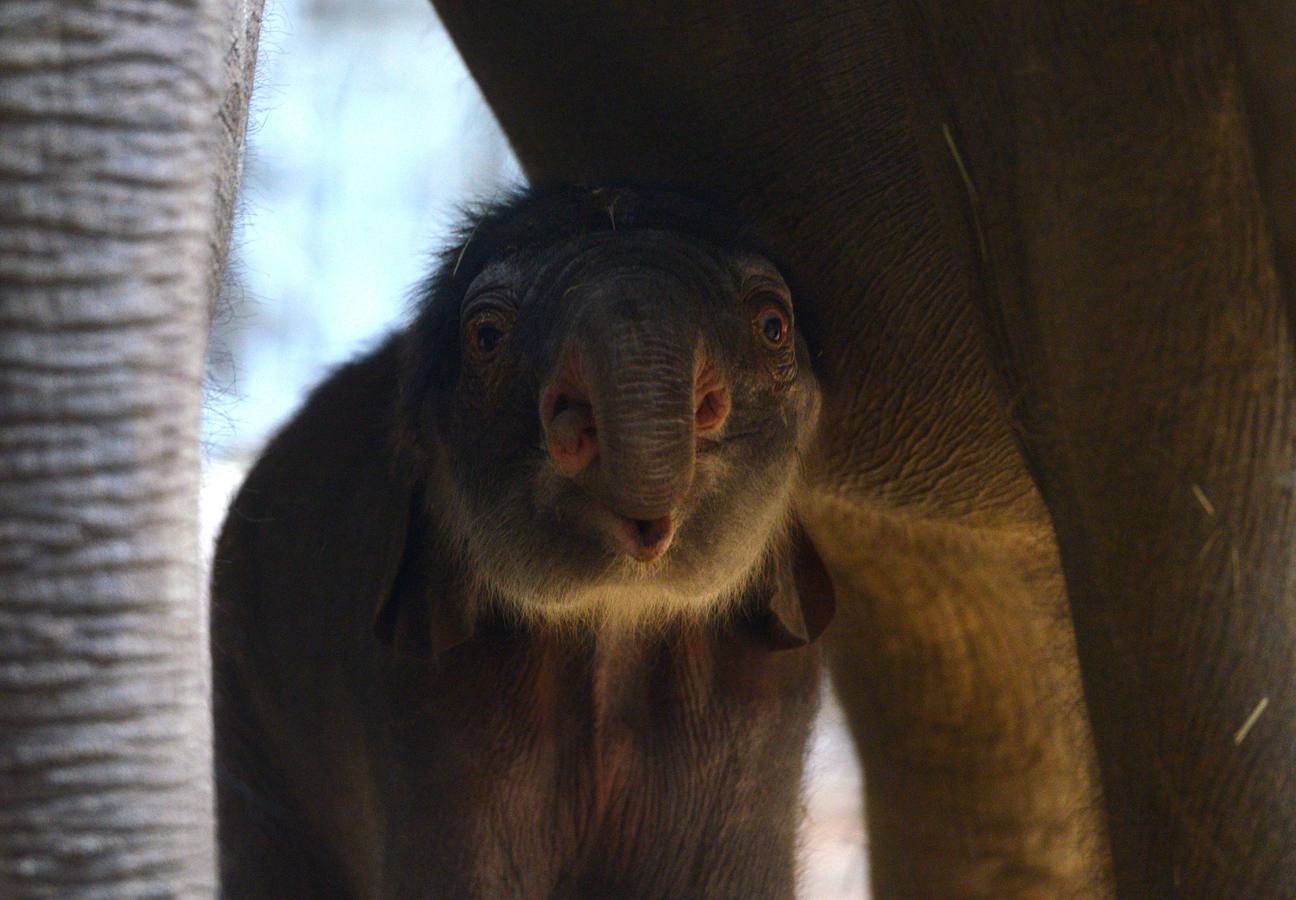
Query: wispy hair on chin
(632, 610)
(629, 599)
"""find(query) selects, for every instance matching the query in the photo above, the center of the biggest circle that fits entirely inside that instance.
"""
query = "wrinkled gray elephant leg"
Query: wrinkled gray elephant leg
(1169, 462)
(1173, 487)
(1138, 277)
(1263, 32)
(952, 656)
(107, 179)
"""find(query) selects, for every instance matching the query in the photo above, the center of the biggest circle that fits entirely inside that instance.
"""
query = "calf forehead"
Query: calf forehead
(673, 259)
(537, 273)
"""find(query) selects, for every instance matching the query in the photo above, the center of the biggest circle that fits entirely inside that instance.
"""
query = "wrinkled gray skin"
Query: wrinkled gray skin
(121, 126)
(614, 330)
(448, 662)
(1049, 251)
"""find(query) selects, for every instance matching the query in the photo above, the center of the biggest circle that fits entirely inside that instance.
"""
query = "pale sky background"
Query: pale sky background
(366, 136)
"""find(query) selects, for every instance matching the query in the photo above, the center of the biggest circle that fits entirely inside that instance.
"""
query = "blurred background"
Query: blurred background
(365, 139)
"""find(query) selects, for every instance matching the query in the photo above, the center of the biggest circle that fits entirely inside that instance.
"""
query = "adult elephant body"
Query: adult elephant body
(1045, 256)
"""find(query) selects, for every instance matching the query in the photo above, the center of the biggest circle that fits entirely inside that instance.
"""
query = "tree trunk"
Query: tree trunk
(119, 129)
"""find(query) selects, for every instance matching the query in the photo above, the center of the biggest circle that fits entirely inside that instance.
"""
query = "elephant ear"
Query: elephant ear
(796, 599)
(330, 540)
(427, 607)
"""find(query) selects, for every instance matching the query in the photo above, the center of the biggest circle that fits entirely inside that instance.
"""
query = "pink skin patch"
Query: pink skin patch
(572, 438)
(571, 435)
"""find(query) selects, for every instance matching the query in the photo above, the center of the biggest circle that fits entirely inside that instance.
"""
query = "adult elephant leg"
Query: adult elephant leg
(1137, 267)
(952, 655)
(109, 142)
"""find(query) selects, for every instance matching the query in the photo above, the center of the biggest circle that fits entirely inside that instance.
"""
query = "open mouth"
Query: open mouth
(645, 540)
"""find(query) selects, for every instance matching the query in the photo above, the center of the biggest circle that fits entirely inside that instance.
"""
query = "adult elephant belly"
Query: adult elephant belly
(1013, 265)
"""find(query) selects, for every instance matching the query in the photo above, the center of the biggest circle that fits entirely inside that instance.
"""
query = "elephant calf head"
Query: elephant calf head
(613, 395)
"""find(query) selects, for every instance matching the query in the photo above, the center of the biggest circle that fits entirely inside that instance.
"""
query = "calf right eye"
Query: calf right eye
(772, 325)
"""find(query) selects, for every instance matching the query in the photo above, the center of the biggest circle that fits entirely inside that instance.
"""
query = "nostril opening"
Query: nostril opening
(712, 410)
(570, 433)
(583, 410)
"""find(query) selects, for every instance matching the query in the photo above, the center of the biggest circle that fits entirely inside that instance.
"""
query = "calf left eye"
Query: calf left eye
(772, 325)
(488, 338)
(485, 334)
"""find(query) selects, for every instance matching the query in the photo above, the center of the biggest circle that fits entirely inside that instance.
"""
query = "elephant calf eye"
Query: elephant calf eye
(487, 339)
(485, 335)
(772, 326)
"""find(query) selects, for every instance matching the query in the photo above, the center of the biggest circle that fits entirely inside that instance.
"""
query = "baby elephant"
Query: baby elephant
(516, 606)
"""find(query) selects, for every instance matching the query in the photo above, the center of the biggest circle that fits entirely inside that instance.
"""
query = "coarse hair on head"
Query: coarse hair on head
(530, 220)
